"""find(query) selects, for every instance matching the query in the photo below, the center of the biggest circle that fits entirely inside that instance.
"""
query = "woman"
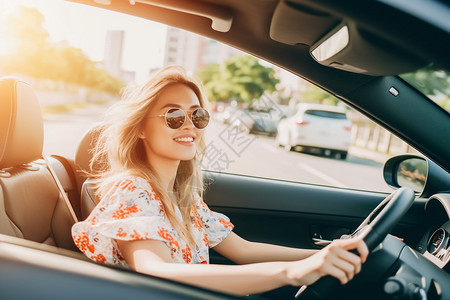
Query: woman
(151, 216)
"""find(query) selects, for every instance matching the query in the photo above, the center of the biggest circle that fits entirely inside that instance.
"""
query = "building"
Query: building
(113, 55)
(193, 51)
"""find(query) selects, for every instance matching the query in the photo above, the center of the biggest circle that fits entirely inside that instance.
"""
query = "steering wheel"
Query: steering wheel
(375, 228)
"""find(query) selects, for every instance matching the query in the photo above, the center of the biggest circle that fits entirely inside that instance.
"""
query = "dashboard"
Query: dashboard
(424, 272)
(435, 244)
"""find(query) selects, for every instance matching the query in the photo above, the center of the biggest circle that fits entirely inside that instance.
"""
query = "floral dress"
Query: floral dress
(133, 211)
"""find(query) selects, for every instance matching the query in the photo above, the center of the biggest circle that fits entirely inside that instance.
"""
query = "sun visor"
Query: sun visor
(295, 24)
(349, 48)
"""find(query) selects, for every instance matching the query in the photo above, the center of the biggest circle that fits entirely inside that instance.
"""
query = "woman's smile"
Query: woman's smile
(186, 140)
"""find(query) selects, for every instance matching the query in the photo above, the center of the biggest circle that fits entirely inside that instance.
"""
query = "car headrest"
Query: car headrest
(21, 123)
(84, 154)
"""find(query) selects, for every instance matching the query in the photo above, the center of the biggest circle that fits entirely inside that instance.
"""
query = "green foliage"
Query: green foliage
(216, 89)
(32, 54)
(429, 80)
(241, 78)
(432, 82)
(316, 95)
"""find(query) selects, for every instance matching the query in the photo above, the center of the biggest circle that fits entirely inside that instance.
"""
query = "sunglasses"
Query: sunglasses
(175, 118)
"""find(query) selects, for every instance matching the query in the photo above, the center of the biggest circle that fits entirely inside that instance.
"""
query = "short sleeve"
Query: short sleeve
(130, 211)
(217, 225)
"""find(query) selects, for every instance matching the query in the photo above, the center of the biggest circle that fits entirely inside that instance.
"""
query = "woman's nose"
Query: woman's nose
(188, 123)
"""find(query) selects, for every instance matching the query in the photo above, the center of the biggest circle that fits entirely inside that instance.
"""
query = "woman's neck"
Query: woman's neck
(166, 171)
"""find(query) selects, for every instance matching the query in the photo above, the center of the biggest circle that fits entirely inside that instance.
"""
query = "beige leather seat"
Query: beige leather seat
(31, 206)
(82, 161)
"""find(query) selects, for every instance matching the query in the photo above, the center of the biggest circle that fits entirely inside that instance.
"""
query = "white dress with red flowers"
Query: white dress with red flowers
(133, 211)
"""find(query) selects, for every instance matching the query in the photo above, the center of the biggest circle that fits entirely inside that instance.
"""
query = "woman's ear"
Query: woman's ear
(141, 135)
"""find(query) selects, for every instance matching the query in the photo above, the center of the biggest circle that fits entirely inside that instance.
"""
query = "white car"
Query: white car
(318, 128)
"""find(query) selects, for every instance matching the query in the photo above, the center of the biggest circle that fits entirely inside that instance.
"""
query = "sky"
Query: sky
(85, 27)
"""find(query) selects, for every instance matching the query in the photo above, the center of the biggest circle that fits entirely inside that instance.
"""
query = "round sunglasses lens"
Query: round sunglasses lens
(200, 118)
(175, 118)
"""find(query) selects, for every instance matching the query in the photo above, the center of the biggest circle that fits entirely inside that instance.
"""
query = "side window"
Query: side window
(300, 141)
(265, 121)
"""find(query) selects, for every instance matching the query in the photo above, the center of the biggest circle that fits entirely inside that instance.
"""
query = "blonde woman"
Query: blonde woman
(151, 216)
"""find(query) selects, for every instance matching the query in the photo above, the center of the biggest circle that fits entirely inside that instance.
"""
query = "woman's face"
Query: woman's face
(166, 144)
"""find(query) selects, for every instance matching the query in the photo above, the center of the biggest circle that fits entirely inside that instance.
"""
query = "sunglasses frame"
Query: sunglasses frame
(185, 113)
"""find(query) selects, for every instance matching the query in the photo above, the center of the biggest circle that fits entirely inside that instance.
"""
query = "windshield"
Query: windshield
(432, 82)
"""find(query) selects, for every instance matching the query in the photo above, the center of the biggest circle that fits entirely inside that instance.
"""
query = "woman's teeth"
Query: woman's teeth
(184, 139)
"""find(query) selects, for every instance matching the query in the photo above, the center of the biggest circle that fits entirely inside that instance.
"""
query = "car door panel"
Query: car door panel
(292, 214)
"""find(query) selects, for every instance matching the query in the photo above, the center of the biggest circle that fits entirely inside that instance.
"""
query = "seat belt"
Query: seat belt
(60, 188)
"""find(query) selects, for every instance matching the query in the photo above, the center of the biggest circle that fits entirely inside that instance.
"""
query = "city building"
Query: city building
(113, 55)
(193, 51)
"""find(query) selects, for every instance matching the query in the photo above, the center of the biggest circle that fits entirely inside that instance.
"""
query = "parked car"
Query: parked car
(255, 121)
(316, 127)
(364, 52)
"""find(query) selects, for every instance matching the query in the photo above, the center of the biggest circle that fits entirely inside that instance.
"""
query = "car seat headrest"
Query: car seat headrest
(21, 123)
(84, 153)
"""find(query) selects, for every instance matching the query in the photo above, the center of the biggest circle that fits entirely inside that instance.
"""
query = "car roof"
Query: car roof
(286, 31)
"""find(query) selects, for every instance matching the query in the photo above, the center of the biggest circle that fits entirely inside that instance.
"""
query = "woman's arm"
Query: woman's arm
(153, 258)
(242, 251)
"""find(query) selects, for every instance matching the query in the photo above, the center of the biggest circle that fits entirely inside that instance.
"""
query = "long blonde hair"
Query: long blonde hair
(121, 152)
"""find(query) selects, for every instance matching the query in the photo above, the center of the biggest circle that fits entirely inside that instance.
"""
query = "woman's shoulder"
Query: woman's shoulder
(131, 182)
(126, 186)
(128, 193)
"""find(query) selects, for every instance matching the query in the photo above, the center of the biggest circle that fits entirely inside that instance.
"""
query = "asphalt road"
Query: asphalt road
(231, 151)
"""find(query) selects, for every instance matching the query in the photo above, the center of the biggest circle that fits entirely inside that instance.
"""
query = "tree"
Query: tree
(32, 54)
(27, 38)
(433, 82)
(429, 80)
(316, 95)
(241, 78)
(216, 89)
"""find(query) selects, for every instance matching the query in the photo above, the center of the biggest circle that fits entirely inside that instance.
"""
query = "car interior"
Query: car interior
(352, 49)
(33, 207)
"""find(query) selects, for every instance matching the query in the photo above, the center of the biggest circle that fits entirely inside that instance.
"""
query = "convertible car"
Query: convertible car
(359, 52)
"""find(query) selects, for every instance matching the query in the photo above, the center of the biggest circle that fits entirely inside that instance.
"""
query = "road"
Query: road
(235, 152)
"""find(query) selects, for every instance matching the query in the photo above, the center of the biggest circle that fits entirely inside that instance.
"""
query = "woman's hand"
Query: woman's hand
(334, 260)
